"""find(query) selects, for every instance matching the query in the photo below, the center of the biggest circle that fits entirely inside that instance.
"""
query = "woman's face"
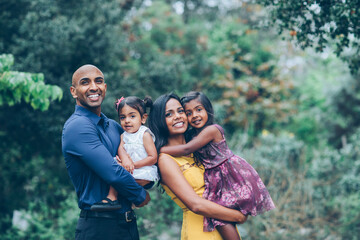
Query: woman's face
(175, 117)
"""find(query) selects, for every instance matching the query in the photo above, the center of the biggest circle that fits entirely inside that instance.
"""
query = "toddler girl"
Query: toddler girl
(138, 142)
(229, 179)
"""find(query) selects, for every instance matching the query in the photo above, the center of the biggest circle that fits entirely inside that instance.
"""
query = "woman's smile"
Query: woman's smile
(179, 124)
(175, 117)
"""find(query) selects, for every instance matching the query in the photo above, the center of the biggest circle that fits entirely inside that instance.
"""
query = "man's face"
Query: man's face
(89, 88)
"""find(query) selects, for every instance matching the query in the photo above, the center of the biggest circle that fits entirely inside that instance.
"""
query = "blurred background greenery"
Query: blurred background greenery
(282, 75)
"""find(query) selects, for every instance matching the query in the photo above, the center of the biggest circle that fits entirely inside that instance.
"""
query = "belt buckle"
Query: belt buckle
(129, 216)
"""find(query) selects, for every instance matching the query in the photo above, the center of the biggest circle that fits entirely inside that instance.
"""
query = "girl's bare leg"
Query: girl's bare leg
(229, 232)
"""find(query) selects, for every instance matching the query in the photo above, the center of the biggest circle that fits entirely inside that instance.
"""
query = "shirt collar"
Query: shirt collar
(92, 116)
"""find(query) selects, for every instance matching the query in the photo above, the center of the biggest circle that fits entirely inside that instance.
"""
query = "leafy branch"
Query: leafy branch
(30, 87)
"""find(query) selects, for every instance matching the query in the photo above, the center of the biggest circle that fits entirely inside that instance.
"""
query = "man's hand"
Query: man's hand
(146, 201)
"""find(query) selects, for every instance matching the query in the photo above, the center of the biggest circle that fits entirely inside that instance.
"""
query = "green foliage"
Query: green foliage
(342, 115)
(311, 188)
(318, 23)
(44, 222)
(246, 83)
(162, 52)
(337, 185)
(30, 87)
(161, 218)
(318, 80)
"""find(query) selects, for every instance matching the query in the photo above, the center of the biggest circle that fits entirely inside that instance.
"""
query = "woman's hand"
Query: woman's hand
(242, 219)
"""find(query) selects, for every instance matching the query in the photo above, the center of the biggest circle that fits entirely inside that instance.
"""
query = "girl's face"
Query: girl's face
(175, 117)
(196, 114)
(130, 119)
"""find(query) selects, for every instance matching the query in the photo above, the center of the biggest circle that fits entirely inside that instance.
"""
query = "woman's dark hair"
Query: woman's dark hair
(136, 103)
(192, 132)
(157, 121)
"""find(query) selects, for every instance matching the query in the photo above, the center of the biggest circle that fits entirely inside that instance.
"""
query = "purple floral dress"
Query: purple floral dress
(232, 182)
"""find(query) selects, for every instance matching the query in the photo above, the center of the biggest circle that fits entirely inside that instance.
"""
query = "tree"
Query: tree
(16, 86)
(162, 51)
(248, 89)
(318, 23)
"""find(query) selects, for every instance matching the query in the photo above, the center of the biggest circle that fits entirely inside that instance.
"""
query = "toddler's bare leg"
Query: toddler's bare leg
(142, 182)
(229, 232)
(112, 195)
(109, 203)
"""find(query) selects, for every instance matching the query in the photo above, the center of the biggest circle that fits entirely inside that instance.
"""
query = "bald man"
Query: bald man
(89, 143)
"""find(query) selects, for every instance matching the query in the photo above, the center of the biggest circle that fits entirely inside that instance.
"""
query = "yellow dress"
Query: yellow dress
(192, 226)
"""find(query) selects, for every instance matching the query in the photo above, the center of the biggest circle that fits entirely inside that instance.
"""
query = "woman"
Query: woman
(181, 178)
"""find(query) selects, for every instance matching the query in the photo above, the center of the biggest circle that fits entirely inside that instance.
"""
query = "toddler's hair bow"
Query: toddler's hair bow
(118, 102)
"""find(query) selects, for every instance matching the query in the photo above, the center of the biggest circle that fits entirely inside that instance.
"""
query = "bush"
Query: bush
(43, 222)
(315, 189)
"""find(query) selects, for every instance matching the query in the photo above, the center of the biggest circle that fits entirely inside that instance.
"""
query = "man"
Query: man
(89, 143)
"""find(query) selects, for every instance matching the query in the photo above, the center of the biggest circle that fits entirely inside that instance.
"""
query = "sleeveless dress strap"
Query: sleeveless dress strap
(144, 129)
(220, 129)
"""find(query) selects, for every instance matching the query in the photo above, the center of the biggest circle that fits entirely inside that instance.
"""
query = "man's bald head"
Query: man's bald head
(89, 88)
(82, 70)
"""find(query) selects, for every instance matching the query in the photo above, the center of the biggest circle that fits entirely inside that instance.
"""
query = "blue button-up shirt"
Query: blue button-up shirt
(89, 145)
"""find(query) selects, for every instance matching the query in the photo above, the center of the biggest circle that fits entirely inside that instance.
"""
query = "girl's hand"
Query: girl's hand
(117, 158)
(128, 164)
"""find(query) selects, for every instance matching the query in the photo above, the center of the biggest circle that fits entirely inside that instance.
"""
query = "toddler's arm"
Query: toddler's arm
(126, 161)
(208, 134)
(150, 149)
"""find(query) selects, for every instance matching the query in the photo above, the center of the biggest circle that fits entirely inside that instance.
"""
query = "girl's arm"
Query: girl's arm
(150, 148)
(173, 178)
(207, 135)
(126, 161)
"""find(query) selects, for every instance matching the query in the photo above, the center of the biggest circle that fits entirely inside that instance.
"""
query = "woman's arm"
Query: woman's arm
(175, 180)
(208, 134)
(150, 149)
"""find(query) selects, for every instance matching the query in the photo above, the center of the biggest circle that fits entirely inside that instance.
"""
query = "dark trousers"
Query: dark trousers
(106, 228)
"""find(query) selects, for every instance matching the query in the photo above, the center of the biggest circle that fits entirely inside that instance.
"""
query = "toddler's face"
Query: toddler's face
(196, 114)
(130, 119)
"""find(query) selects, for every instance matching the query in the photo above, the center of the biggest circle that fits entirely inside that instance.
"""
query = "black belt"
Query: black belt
(127, 216)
